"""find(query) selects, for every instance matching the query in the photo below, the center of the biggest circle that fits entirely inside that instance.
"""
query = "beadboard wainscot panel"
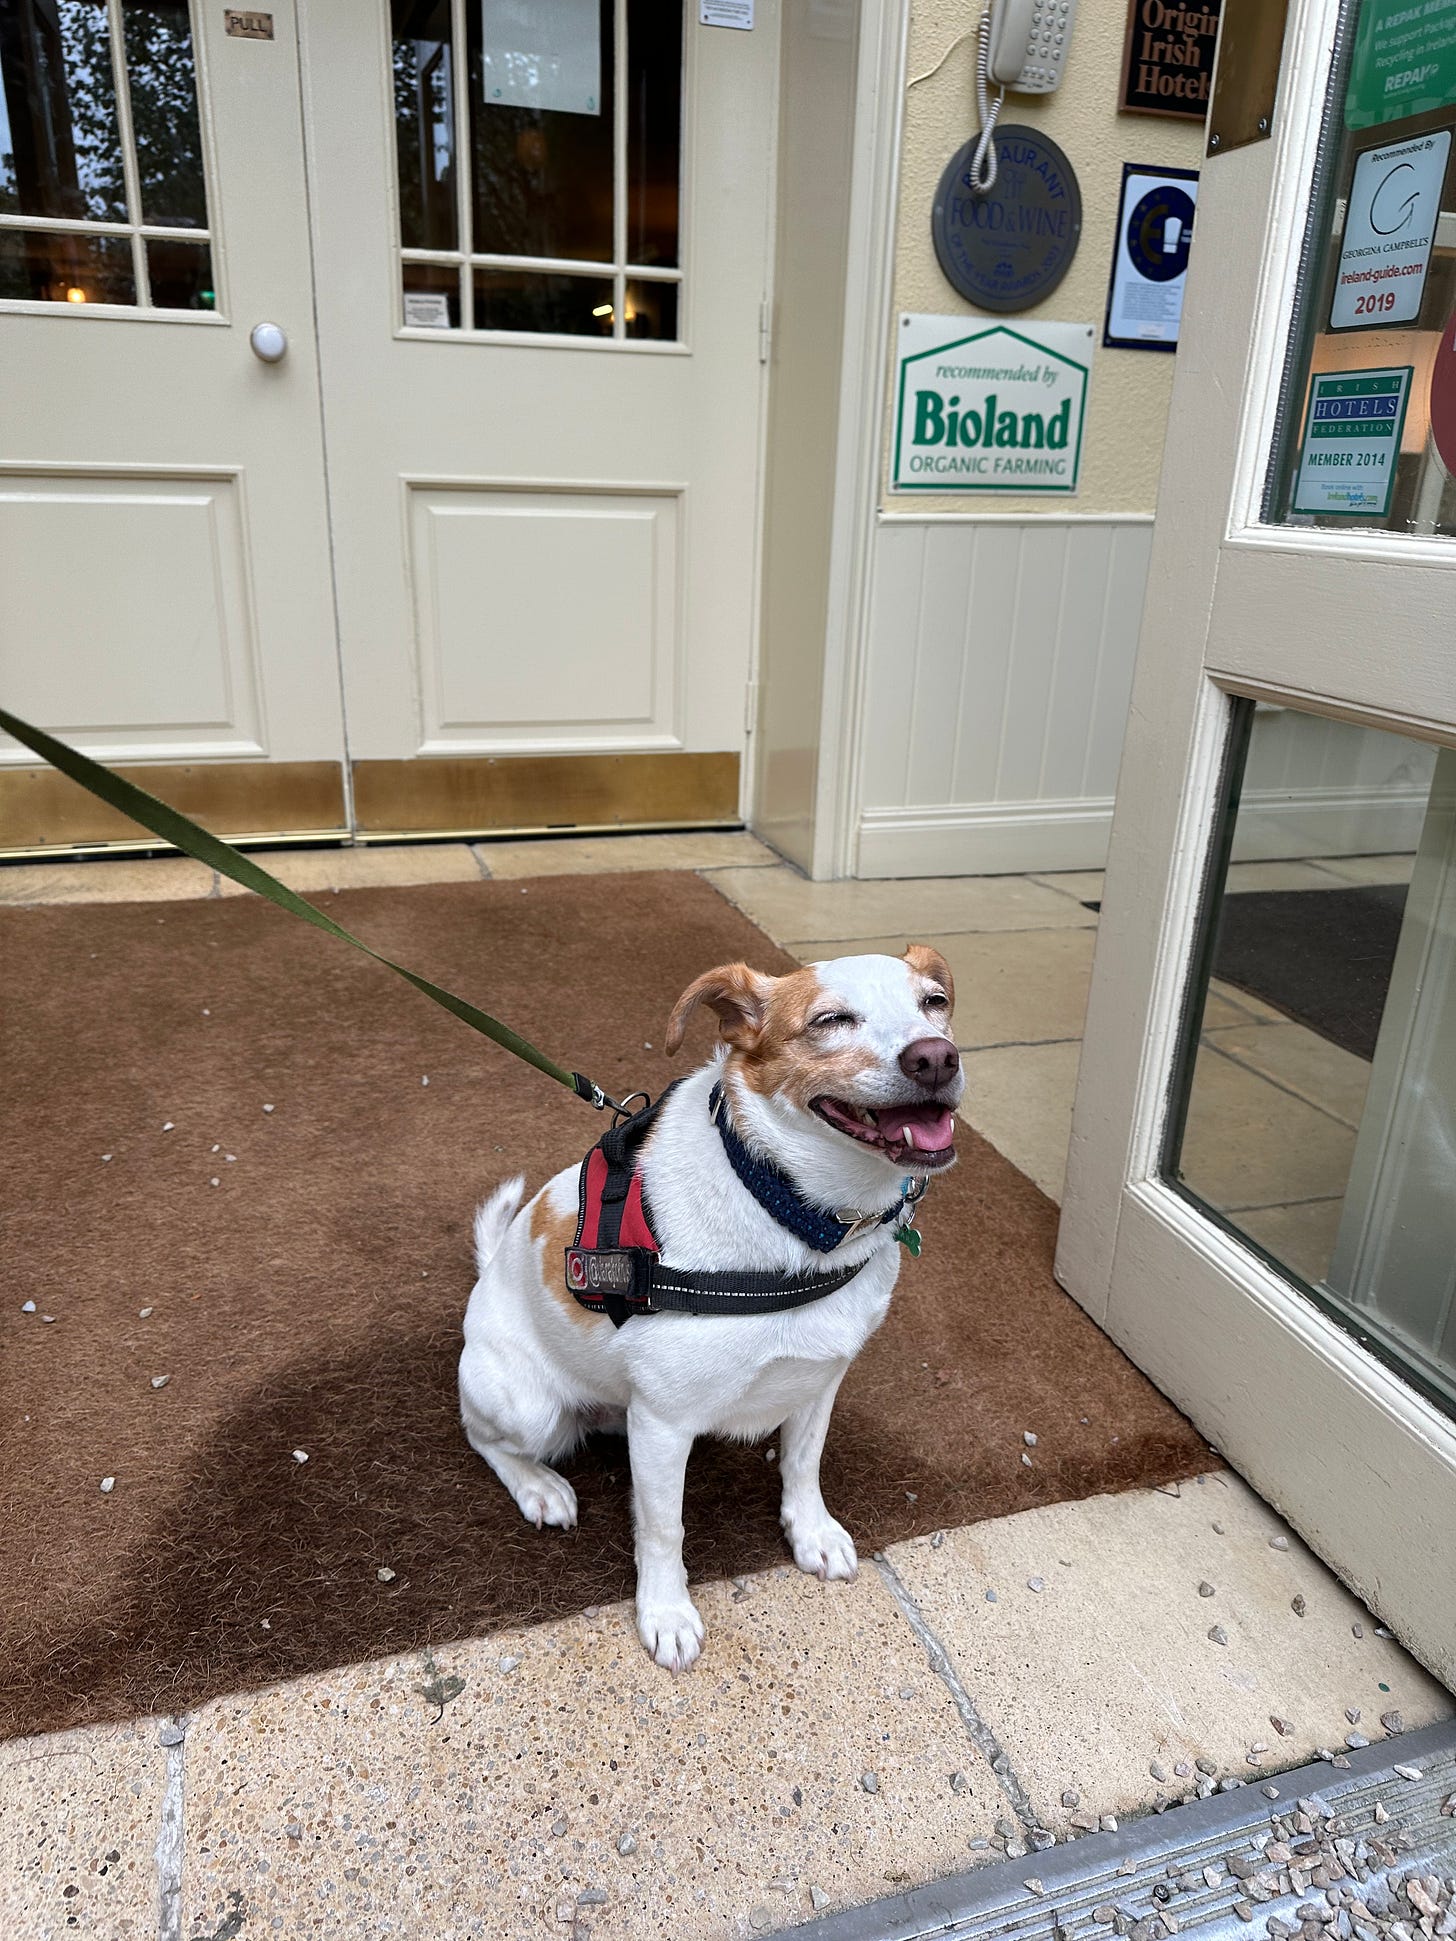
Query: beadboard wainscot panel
(1000, 665)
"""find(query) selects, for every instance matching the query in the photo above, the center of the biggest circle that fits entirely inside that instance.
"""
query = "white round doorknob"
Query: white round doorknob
(268, 342)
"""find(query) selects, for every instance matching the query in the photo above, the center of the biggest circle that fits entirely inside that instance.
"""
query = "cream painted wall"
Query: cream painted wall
(1129, 400)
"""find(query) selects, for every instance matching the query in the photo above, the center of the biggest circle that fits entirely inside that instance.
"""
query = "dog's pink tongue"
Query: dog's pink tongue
(925, 1128)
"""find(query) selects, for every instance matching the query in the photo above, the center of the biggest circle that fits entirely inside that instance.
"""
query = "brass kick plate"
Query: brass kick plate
(484, 795)
(41, 809)
(1246, 80)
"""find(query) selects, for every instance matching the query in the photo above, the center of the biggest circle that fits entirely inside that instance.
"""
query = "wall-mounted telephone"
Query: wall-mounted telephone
(1022, 44)
(1028, 43)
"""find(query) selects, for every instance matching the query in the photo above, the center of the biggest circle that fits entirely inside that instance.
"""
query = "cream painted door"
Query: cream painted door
(165, 593)
(1261, 1198)
(543, 417)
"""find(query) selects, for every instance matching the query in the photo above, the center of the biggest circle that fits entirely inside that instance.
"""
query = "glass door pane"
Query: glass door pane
(103, 194)
(1356, 444)
(1315, 1104)
(565, 222)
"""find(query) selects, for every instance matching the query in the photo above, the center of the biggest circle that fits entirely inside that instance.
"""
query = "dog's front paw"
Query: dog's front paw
(823, 1548)
(672, 1632)
(547, 1499)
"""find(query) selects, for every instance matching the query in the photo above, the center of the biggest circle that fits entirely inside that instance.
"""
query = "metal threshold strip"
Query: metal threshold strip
(1362, 1854)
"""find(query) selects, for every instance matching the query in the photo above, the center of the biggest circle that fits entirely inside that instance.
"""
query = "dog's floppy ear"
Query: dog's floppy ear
(738, 995)
(930, 963)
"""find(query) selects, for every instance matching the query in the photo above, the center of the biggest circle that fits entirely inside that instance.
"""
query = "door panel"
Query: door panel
(543, 417)
(1215, 1233)
(123, 525)
(165, 591)
(506, 553)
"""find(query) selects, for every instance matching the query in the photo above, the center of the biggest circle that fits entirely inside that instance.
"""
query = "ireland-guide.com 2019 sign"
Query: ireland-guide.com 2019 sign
(989, 407)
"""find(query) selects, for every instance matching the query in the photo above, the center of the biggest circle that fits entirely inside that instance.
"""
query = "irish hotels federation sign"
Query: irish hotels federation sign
(989, 407)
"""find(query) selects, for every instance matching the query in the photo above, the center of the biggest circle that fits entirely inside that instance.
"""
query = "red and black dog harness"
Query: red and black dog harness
(613, 1267)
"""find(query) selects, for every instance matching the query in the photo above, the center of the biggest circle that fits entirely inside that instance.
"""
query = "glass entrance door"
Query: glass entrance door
(542, 270)
(1260, 1186)
(165, 594)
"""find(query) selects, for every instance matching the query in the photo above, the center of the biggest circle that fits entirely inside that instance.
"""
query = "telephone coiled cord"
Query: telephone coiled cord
(983, 162)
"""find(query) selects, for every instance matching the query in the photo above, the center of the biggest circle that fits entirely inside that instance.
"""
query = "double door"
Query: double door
(391, 406)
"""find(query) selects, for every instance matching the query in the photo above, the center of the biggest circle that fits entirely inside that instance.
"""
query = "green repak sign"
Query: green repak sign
(989, 408)
(1404, 61)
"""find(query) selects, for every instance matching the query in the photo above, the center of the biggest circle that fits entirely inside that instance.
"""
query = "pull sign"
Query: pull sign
(247, 26)
(726, 13)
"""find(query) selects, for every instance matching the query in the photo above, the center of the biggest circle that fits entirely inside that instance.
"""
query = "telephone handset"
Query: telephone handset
(1028, 43)
(1022, 44)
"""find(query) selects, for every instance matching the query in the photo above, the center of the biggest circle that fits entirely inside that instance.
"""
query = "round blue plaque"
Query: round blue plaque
(1163, 215)
(1009, 249)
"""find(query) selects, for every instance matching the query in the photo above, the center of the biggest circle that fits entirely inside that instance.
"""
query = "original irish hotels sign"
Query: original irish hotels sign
(1167, 59)
(983, 407)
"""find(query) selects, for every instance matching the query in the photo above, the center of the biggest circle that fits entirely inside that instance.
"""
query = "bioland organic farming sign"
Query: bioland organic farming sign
(989, 407)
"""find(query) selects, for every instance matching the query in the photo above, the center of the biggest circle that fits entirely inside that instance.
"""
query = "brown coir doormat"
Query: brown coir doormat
(241, 1158)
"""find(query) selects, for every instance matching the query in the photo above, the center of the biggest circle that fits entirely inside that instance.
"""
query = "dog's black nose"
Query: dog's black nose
(931, 1062)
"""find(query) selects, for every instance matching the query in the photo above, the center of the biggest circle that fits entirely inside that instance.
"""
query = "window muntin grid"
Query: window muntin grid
(580, 294)
(103, 192)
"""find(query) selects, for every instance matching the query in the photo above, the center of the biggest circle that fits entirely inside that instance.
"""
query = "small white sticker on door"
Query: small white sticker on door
(426, 310)
(1390, 225)
(725, 13)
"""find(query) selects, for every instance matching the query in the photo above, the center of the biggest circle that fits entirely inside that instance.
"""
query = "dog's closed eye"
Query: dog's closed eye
(827, 1018)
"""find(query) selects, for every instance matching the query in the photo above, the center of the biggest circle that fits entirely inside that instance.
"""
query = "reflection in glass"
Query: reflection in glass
(651, 309)
(1376, 291)
(431, 296)
(575, 306)
(181, 276)
(60, 151)
(424, 117)
(1315, 1109)
(541, 177)
(163, 84)
(42, 266)
(654, 132)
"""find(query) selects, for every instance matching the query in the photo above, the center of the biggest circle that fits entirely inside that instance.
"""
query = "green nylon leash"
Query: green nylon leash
(182, 833)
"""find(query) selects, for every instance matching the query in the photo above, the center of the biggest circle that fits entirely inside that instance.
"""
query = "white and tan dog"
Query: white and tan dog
(845, 1075)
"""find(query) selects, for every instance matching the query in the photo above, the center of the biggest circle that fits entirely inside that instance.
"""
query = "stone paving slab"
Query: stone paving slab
(335, 1806)
(79, 1815)
(590, 855)
(131, 879)
(1109, 1669)
(788, 907)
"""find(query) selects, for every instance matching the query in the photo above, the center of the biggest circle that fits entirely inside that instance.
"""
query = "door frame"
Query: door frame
(864, 402)
(811, 680)
(1214, 1325)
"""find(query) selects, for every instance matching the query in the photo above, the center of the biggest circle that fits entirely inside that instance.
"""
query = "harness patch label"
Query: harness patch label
(591, 1272)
